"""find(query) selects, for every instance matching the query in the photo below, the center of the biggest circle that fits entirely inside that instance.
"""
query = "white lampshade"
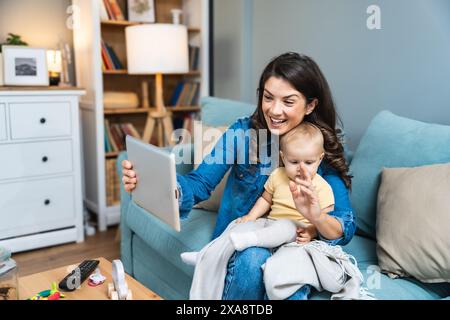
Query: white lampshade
(54, 60)
(157, 48)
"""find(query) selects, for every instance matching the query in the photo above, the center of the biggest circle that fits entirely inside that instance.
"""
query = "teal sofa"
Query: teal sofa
(150, 250)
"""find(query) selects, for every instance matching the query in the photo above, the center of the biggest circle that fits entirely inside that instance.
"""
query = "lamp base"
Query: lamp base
(164, 121)
(160, 116)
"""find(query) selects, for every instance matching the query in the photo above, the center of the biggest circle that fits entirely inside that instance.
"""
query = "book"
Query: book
(176, 93)
(109, 10)
(106, 58)
(113, 56)
(108, 147)
(182, 98)
(116, 10)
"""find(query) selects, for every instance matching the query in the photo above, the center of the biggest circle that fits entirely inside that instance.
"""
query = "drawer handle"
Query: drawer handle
(47, 202)
(43, 120)
(44, 159)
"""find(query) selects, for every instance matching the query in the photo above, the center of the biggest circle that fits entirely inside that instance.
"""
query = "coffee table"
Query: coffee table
(35, 283)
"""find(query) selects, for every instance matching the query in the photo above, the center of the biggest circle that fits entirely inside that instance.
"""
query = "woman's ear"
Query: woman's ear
(311, 106)
(322, 155)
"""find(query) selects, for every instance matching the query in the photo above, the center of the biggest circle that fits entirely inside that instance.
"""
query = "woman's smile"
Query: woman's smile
(283, 106)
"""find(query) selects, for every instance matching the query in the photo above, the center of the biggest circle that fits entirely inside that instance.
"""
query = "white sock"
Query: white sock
(190, 258)
(243, 240)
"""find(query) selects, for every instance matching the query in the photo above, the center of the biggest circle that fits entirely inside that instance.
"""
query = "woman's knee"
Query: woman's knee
(251, 259)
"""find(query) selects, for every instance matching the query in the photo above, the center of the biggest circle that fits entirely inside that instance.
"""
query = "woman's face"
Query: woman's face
(283, 106)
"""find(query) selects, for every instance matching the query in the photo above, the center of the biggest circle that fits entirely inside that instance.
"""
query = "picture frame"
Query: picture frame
(25, 66)
(141, 11)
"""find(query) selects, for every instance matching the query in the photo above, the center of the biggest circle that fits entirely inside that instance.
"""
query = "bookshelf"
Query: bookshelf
(93, 34)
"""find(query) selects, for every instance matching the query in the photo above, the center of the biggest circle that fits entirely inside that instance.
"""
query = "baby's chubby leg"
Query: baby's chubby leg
(274, 234)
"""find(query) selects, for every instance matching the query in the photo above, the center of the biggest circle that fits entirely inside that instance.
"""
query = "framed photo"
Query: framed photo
(25, 66)
(141, 11)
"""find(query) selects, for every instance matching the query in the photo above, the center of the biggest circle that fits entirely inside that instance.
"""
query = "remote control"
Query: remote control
(76, 277)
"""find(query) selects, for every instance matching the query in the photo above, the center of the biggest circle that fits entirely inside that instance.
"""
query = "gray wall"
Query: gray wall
(41, 23)
(232, 49)
(404, 67)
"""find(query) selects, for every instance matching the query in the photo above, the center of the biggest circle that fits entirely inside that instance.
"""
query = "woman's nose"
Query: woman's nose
(277, 108)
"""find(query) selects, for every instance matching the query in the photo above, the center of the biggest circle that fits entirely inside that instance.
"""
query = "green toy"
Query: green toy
(52, 294)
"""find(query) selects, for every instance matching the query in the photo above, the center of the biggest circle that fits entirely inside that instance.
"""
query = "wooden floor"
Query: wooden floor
(102, 244)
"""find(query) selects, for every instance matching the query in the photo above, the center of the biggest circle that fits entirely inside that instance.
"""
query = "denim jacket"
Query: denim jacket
(245, 184)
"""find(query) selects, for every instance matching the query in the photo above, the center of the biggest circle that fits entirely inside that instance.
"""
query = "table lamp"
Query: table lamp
(157, 49)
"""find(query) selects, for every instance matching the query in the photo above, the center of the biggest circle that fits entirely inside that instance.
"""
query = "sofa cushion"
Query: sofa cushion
(392, 141)
(196, 231)
(218, 112)
(413, 222)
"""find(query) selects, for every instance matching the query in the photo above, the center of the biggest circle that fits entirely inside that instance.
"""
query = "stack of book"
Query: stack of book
(115, 135)
(110, 10)
(185, 94)
(110, 61)
(112, 183)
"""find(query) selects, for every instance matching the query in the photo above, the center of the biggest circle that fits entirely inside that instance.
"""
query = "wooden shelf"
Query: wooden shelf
(125, 72)
(146, 110)
(112, 154)
(119, 23)
(120, 71)
(125, 23)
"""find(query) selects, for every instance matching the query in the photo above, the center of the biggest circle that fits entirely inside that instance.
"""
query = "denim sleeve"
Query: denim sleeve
(343, 211)
(198, 184)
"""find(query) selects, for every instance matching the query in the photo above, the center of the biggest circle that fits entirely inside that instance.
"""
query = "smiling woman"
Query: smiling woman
(291, 90)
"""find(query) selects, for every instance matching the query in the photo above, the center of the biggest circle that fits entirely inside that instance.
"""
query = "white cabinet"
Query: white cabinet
(2, 122)
(41, 201)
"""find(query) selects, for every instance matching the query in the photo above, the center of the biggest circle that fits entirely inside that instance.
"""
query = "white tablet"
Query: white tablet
(156, 190)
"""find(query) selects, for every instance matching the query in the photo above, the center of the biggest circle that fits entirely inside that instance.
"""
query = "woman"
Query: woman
(291, 89)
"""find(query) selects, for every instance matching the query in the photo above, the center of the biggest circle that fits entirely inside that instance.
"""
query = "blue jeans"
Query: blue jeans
(244, 279)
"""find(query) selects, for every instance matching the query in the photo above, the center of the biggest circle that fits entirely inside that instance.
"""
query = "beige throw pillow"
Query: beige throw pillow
(413, 222)
(213, 203)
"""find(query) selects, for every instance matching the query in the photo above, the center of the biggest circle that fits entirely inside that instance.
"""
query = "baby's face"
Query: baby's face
(296, 152)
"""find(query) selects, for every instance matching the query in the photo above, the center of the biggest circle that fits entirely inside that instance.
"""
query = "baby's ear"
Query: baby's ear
(282, 156)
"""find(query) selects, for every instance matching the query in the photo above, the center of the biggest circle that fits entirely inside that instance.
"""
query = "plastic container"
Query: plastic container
(9, 284)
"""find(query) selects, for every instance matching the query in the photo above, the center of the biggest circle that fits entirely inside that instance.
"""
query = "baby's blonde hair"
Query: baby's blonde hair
(305, 130)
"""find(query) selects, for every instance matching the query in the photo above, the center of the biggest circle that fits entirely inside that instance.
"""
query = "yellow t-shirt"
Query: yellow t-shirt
(282, 202)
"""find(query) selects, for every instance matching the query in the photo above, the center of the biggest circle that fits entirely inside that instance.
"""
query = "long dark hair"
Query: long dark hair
(305, 76)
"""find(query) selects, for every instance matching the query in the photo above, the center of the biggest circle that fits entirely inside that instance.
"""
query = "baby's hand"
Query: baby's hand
(245, 219)
(305, 235)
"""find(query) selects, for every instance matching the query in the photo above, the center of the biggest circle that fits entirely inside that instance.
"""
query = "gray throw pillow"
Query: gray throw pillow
(413, 222)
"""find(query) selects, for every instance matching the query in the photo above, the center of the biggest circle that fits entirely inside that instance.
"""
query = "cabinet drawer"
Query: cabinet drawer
(2, 122)
(35, 159)
(41, 119)
(36, 206)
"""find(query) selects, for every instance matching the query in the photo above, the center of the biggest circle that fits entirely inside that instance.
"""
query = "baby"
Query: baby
(301, 152)
(302, 146)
